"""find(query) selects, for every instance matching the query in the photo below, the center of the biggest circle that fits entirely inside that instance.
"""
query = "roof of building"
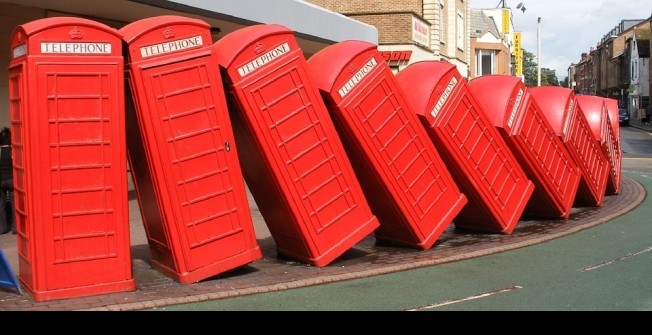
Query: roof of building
(482, 24)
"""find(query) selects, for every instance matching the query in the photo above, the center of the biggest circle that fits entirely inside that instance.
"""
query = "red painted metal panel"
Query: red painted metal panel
(595, 110)
(615, 150)
(533, 142)
(405, 180)
(481, 163)
(614, 117)
(182, 152)
(560, 108)
(67, 117)
(292, 157)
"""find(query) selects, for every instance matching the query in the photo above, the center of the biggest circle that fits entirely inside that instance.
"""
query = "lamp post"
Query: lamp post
(539, 51)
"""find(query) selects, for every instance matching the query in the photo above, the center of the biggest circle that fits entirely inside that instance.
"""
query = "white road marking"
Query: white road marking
(450, 302)
(597, 266)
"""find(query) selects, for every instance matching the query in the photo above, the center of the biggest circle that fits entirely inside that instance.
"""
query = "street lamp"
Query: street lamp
(539, 51)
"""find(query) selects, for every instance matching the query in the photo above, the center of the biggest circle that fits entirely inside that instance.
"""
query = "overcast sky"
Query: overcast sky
(568, 27)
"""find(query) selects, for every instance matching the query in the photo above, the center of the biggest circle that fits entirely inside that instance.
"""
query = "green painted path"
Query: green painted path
(604, 268)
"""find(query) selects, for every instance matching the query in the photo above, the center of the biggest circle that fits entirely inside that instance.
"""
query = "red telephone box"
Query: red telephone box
(66, 93)
(508, 104)
(479, 159)
(560, 108)
(182, 152)
(614, 116)
(614, 120)
(293, 159)
(595, 111)
(405, 180)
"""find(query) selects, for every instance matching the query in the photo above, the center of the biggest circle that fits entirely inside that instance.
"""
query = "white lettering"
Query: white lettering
(444, 96)
(171, 46)
(75, 48)
(263, 59)
(20, 50)
(517, 104)
(357, 77)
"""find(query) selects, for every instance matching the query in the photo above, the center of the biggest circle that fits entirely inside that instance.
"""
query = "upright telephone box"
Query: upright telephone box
(294, 161)
(66, 94)
(521, 122)
(479, 159)
(595, 110)
(569, 124)
(405, 180)
(182, 151)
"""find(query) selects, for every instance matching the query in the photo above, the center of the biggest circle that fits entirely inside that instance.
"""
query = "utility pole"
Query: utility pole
(539, 51)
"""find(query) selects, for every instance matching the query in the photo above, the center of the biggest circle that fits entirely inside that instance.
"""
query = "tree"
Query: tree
(564, 82)
(529, 69)
(548, 76)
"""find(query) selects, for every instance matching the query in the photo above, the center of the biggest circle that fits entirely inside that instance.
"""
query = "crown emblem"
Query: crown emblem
(76, 34)
(259, 48)
(19, 37)
(169, 33)
(352, 67)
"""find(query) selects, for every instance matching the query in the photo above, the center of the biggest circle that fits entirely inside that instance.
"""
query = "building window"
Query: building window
(631, 73)
(460, 31)
(484, 61)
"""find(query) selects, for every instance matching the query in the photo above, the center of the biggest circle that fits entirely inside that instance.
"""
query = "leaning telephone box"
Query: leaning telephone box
(66, 97)
(614, 120)
(597, 115)
(509, 106)
(182, 152)
(405, 180)
(479, 159)
(569, 124)
(293, 160)
(614, 116)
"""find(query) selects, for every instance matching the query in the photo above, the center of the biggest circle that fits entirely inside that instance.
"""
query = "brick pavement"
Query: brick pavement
(273, 273)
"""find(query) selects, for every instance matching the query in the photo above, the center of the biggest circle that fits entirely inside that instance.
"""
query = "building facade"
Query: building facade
(223, 16)
(414, 30)
(583, 81)
(618, 67)
(637, 51)
(406, 31)
(492, 42)
(570, 74)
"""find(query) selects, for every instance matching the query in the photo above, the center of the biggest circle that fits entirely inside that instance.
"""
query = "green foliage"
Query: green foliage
(564, 82)
(548, 76)
(529, 69)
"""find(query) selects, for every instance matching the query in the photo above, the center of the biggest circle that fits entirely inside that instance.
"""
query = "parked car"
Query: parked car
(624, 116)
